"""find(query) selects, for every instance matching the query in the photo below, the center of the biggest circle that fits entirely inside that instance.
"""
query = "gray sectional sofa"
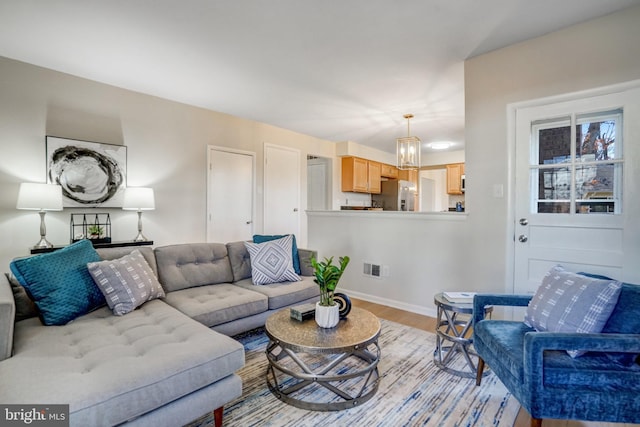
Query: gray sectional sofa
(166, 363)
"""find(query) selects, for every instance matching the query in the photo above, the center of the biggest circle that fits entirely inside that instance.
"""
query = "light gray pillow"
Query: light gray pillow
(25, 307)
(126, 282)
(569, 302)
(272, 262)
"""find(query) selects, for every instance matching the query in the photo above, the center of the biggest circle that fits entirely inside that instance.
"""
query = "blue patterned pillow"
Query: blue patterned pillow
(569, 302)
(261, 238)
(271, 261)
(59, 282)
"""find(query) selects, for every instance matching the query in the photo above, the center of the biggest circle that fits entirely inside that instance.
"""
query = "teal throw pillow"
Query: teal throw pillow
(59, 282)
(261, 238)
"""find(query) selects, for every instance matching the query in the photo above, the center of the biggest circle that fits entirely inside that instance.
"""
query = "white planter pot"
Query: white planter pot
(327, 316)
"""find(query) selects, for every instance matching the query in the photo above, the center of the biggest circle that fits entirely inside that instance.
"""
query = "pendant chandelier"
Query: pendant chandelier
(408, 149)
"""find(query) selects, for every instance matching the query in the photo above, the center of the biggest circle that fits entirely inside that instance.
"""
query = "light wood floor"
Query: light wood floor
(429, 324)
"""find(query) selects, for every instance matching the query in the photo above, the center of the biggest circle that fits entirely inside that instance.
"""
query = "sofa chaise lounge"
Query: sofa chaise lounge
(166, 363)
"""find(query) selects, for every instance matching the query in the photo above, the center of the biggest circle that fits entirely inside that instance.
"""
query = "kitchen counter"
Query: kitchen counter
(440, 216)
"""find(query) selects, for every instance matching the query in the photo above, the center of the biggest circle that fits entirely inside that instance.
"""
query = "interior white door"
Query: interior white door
(575, 189)
(281, 190)
(317, 184)
(230, 192)
(427, 194)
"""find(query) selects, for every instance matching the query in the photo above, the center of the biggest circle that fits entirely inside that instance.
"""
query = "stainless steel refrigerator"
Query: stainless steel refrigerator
(396, 195)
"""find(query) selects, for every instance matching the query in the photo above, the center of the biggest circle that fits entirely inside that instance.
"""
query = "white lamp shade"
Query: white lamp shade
(36, 196)
(138, 199)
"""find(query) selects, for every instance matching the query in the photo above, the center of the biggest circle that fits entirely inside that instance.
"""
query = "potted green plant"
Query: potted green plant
(327, 275)
(95, 231)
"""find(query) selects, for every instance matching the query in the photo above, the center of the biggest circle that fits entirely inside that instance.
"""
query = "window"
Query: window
(580, 178)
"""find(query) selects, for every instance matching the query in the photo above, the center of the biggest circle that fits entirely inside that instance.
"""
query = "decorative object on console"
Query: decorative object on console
(408, 149)
(98, 231)
(327, 277)
(271, 261)
(40, 197)
(139, 199)
(90, 173)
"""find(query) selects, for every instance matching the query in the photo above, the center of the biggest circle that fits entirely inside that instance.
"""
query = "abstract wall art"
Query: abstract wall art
(91, 174)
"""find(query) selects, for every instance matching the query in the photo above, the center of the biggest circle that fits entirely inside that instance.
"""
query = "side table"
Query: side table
(454, 336)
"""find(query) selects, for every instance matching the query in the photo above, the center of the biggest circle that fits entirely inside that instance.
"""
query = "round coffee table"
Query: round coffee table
(304, 358)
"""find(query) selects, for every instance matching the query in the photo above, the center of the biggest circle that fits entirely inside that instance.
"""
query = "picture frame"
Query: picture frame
(92, 174)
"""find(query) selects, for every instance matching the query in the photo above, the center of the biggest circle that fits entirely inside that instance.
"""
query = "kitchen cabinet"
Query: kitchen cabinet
(375, 183)
(388, 171)
(454, 178)
(409, 175)
(360, 175)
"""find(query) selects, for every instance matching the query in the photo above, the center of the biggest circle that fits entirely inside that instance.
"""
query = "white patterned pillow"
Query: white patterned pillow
(569, 302)
(271, 262)
(126, 282)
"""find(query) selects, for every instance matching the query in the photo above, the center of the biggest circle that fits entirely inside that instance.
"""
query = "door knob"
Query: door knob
(524, 221)
(248, 222)
(295, 209)
(523, 238)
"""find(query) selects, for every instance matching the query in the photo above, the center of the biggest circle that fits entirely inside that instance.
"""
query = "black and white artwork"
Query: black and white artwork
(91, 174)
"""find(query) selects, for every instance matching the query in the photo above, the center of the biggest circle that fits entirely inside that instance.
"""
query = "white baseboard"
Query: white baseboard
(431, 312)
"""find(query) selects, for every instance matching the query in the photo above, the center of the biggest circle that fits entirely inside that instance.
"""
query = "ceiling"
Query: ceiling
(334, 69)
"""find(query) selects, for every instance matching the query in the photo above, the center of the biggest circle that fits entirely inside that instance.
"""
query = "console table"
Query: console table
(96, 245)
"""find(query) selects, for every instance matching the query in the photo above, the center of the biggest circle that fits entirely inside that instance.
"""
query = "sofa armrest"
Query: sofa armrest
(305, 261)
(536, 343)
(7, 317)
(480, 301)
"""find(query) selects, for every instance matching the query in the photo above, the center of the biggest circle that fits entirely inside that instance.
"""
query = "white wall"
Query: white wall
(166, 149)
(593, 54)
(427, 255)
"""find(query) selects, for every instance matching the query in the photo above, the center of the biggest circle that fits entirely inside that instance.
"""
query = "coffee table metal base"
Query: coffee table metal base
(351, 376)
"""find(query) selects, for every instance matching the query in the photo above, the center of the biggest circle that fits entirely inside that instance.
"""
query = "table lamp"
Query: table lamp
(139, 199)
(42, 198)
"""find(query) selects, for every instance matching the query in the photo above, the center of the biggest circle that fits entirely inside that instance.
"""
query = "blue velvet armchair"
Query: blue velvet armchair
(601, 385)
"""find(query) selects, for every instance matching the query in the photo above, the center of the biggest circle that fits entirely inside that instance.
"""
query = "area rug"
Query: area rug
(412, 391)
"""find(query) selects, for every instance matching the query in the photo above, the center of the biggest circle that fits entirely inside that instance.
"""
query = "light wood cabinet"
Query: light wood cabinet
(375, 183)
(409, 175)
(388, 171)
(454, 178)
(360, 175)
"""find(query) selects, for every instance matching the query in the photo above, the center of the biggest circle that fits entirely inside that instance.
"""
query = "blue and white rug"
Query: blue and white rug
(412, 391)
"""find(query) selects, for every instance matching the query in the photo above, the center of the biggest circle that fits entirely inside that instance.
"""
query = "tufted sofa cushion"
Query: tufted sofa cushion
(111, 369)
(214, 305)
(284, 293)
(195, 264)
(240, 260)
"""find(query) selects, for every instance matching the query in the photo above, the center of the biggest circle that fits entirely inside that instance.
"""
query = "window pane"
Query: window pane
(554, 184)
(554, 145)
(595, 140)
(596, 187)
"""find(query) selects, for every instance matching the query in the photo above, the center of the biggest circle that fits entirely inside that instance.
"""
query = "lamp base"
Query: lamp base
(140, 238)
(43, 243)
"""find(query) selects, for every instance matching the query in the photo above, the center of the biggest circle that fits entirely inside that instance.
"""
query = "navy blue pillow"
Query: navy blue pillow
(59, 282)
(620, 321)
(261, 238)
